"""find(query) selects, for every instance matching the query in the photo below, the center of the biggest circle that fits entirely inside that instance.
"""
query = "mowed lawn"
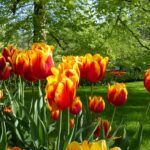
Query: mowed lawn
(132, 112)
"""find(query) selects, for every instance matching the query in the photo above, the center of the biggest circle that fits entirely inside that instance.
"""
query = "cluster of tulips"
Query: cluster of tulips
(32, 65)
(62, 82)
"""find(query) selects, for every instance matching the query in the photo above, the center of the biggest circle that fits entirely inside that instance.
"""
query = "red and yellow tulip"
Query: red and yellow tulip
(8, 52)
(96, 104)
(71, 123)
(95, 67)
(76, 106)
(117, 94)
(5, 69)
(7, 109)
(60, 90)
(55, 115)
(34, 64)
(13, 148)
(105, 126)
(147, 80)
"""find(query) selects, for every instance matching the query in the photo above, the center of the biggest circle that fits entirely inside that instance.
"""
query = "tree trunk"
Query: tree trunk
(38, 21)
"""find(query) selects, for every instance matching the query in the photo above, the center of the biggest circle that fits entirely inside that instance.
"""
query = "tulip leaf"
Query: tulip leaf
(68, 139)
(91, 132)
(33, 127)
(42, 132)
(89, 129)
(3, 138)
(137, 138)
(123, 141)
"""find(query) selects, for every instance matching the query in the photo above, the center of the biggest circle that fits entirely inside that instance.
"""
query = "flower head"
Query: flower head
(71, 123)
(147, 80)
(117, 94)
(76, 106)
(96, 104)
(5, 69)
(95, 67)
(7, 109)
(98, 145)
(98, 130)
(60, 90)
(34, 64)
(8, 52)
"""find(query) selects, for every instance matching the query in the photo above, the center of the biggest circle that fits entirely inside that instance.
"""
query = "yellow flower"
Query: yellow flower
(74, 146)
(99, 145)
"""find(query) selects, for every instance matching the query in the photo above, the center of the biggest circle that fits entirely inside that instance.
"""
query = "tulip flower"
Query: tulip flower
(105, 126)
(79, 60)
(41, 61)
(117, 73)
(5, 69)
(147, 80)
(98, 145)
(60, 90)
(8, 53)
(13, 148)
(7, 109)
(55, 115)
(96, 104)
(95, 67)
(71, 123)
(71, 71)
(34, 64)
(76, 106)
(1, 94)
(117, 94)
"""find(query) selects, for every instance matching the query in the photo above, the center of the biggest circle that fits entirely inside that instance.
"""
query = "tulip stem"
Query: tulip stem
(59, 131)
(68, 114)
(10, 98)
(113, 115)
(32, 83)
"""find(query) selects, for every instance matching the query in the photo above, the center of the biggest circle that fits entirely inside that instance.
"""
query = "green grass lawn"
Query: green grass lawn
(131, 113)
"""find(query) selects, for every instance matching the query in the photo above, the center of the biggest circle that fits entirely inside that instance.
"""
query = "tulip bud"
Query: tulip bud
(71, 123)
(147, 80)
(96, 104)
(7, 109)
(117, 94)
(76, 106)
(55, 115)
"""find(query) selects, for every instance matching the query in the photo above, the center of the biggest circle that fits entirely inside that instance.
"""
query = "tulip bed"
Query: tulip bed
(43, 106)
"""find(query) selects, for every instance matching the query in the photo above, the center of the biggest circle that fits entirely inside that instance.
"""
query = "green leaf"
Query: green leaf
(3, 138)
(42, 133)
(137, 138)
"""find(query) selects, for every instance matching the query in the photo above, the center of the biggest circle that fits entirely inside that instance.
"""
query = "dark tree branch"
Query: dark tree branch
(57, 40)
(113, 27)
(134, 35)
(14, 6)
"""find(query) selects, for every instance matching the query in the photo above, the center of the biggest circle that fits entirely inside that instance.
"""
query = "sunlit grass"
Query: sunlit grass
(132, 112)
